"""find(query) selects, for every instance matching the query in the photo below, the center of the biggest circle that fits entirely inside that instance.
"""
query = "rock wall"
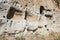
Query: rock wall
(24, 16)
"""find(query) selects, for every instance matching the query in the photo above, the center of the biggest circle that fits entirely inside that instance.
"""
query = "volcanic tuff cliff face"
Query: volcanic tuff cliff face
(29, 16)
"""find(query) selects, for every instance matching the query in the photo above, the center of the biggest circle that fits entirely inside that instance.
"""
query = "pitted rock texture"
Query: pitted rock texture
(24, 16)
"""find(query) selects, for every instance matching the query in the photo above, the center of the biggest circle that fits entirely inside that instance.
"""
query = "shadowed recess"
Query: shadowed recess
(41, 9)
(26, 13)
(11, 12)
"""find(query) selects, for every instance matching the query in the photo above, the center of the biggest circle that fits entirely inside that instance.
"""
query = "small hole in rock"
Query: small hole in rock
(47, 29)
(21, 5)
(26, 5)
(11, 21)
(5, 1)
(29, 2)
(9, 34)
(53, 21)
(7, 20)
(3, 16)
(45, 25)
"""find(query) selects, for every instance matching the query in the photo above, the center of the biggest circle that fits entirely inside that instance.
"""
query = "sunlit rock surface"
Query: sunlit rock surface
(29, 16)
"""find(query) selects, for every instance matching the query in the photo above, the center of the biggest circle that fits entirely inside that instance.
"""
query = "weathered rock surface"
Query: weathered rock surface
(24, 16)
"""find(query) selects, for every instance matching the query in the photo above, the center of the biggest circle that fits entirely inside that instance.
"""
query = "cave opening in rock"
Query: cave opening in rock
(10, 13)
(41, 9)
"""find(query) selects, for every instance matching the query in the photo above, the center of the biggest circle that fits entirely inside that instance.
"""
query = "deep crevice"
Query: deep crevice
(41, 9)
(26, 13)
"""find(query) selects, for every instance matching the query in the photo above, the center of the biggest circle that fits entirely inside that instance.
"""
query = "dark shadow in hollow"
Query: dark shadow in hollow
(32, 30)
(47, 15)
(41, 9)
(26, 13)
(11, 12)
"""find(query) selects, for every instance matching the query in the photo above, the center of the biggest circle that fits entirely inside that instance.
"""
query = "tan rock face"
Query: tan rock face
(25, 16)
(57, 2)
